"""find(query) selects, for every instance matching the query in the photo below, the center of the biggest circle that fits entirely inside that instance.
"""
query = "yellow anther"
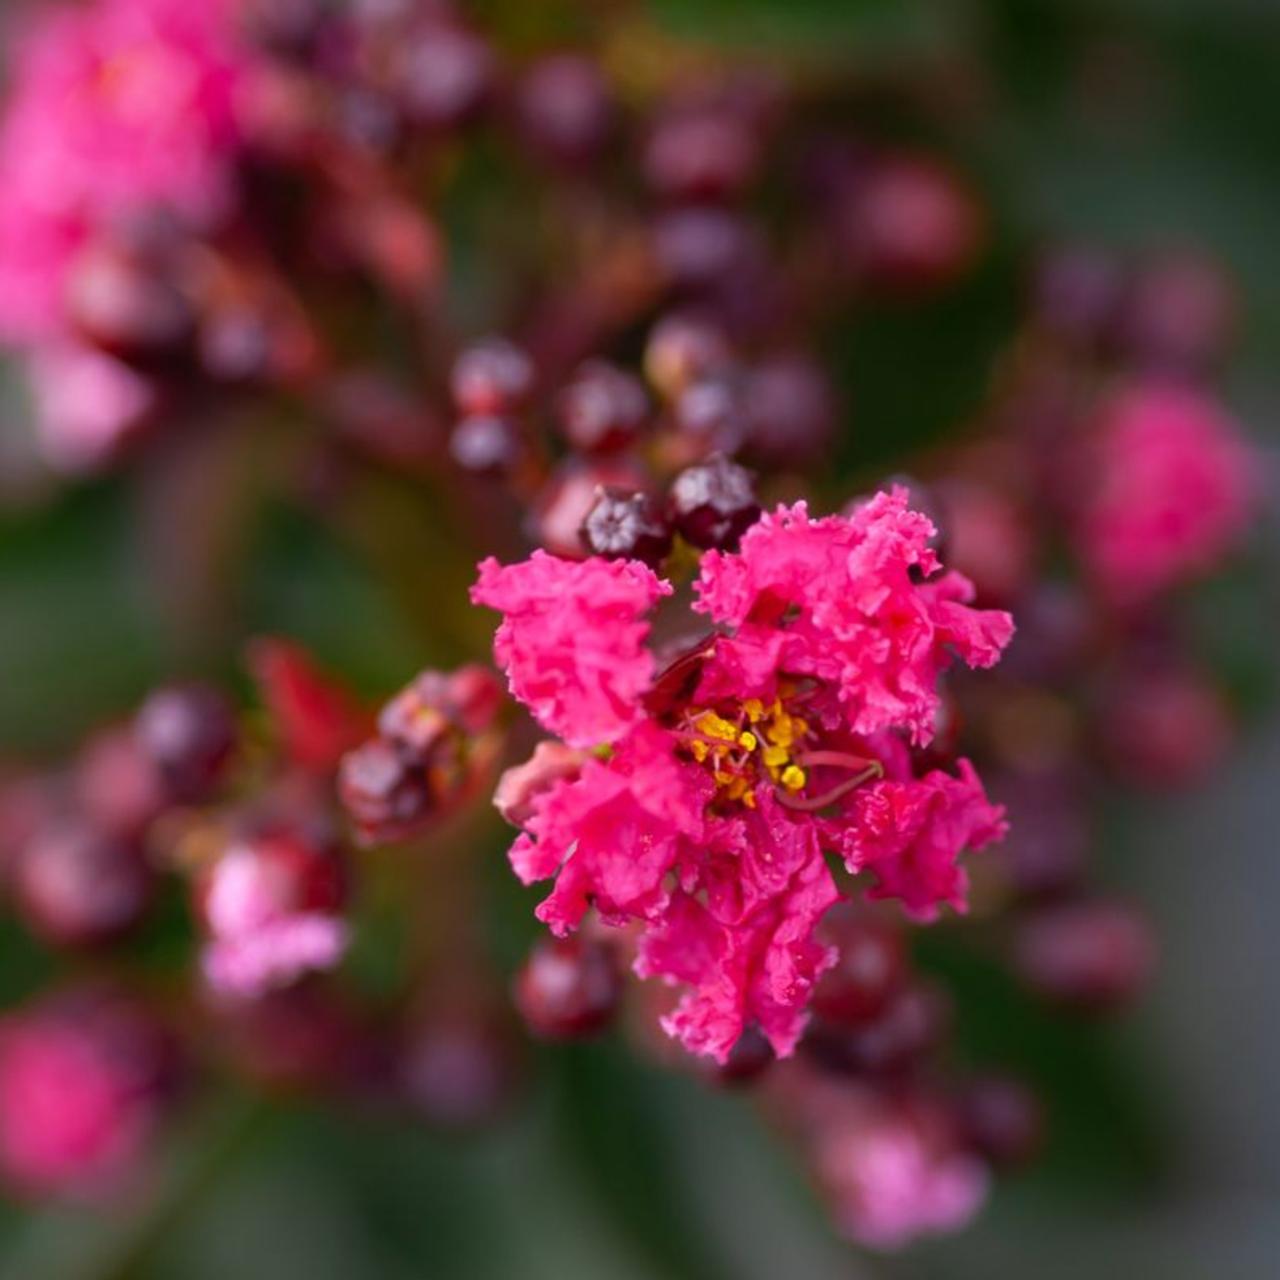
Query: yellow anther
(748, 739)
(749, 799)
(723, 779)
(774, 756)
(754, 709)
(700, 749)
(793, 777)
(781, 730)
(717, 727)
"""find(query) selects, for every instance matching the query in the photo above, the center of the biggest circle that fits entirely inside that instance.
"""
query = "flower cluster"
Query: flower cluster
(119, 109)
(269, 239)
(711, 789)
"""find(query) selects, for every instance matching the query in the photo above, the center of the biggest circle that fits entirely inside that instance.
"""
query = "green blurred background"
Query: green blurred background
(1131, 122)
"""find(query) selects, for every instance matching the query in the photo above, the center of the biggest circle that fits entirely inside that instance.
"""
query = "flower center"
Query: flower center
(745, 745)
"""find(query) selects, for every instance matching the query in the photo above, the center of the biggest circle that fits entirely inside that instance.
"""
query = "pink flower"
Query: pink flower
(87, 405)
(272, 910)
(611, 835)
(572, 640)
(860, 621)
(908, 834)
(702, 813)
(1173, 487)
(115, 107)
(891, 1179)
(78, 1097)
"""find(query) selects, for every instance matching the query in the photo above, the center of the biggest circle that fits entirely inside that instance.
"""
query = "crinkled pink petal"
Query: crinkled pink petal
(844, 590)
(274, 954)
(749, 954)
(746, 665)
(1174, 486)
(910, 835)
(572, 640)
(611, 835)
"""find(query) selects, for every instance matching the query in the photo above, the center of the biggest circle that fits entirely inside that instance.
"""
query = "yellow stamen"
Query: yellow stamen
(714, 726)
(748, 739)
(793, 777)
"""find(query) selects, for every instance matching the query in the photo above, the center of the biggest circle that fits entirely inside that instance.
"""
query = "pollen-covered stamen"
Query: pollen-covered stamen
(747, 745)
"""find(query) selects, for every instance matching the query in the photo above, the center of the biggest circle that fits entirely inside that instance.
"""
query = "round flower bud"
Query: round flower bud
(84, 1080)
(1077, 291)
(571, 492)
(707, 154)
(714, 504)
(1001, 1119)
(627, 526)
(1091, 955)
(487, 446)
(77, 887)
(491, 377)
(748, 1060)
(386, 795)
(602, 409)
(698, 247)
(910, 223)
(126, 306)
(713, 413)
(458, 1069)
(563, 109)
(910, 1025)
(870, 968)
(443, 75)
(1180, 313)
(568, 987)
(681, 350)
(790, 412)
(189, 733)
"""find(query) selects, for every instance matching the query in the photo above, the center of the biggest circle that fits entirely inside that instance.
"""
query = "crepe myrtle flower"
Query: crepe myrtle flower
(1174, 487)
(86, 1076)
(272, 909)
(703, 796)
(115, 108)
(893, 1177)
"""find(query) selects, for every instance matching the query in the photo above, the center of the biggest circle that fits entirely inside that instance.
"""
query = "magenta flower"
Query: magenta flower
(891, 1179)
(272, 907)
(115, 107)
(1172, 489)
(711, 791)
(572, 642)
(88, 405)
(82, 1081)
